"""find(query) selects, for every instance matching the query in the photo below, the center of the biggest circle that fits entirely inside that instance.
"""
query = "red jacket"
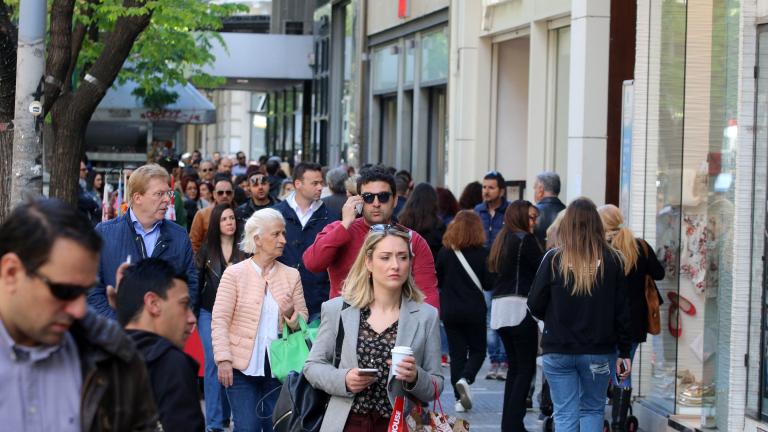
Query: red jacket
(336, 248)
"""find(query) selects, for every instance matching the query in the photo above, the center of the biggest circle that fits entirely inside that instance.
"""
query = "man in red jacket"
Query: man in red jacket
(338, 244)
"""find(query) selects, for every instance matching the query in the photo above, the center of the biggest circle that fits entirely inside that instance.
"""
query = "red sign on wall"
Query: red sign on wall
(402, 8)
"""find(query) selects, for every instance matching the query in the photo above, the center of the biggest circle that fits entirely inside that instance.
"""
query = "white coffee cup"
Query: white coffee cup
(398, 354)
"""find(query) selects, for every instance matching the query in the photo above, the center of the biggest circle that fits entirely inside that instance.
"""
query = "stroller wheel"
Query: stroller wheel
(632, 424)
(606, 426)
(549, 425)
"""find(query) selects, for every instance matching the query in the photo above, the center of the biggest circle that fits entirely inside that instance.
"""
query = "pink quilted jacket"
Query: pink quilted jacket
(237, 309)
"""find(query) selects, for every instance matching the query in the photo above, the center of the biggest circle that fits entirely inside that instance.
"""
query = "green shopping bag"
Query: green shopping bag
(290, 351)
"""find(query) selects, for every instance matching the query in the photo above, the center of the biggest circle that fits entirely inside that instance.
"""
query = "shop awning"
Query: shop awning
(119, 104)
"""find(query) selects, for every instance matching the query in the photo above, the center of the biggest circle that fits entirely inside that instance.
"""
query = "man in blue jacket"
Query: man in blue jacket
(305, 216)
(141, 233)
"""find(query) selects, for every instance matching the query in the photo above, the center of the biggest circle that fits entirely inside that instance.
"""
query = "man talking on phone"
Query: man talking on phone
(338, 244)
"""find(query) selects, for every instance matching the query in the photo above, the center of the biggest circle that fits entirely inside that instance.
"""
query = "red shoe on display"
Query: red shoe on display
(682, 303)
(675, 327)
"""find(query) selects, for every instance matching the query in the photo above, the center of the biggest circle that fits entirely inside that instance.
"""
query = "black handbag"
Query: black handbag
(301, 407)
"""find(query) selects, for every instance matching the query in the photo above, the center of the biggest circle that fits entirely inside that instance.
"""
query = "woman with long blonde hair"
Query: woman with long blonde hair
(385, 310)
(639, 261)
(580, 293)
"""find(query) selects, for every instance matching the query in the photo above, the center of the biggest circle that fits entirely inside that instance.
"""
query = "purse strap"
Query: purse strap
(468, 269)
(517, 274)
(339, 338)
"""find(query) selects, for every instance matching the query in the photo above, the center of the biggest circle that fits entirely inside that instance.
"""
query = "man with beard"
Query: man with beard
(260, 197)
(63, 367)
(141, 233)
(338, 244)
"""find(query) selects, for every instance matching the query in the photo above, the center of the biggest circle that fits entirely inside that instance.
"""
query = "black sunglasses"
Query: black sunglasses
(382, 196)
(258, 180)
(62, 291)
(220, 192)
(206, 169)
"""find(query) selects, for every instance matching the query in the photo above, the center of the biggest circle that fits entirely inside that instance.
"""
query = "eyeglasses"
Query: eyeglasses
(382, 196)
(62, 291)
(206, 169)
(160, 195)
(258, 180)
(222, 192)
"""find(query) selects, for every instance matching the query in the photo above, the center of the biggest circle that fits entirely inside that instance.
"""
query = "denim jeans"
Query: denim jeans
(578, 385)
(252, 403)
(627, 383)
(496, 351)
(216, 403)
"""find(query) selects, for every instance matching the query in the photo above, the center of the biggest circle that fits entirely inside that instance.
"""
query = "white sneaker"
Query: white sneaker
(459, 408)
(465, 394)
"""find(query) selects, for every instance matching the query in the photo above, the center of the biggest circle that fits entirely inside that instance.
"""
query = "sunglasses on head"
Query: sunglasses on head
(222, 192)
(258, 180)
(382, 196)
(62, 291)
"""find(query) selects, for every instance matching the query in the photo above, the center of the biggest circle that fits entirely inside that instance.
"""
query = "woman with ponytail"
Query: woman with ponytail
(580, 293)
(639, 261)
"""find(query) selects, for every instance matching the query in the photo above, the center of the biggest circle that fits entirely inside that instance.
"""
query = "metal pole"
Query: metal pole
(27, 170)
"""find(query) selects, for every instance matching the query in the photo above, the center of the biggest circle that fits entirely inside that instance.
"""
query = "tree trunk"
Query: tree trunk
(7, 95)
(69, 125)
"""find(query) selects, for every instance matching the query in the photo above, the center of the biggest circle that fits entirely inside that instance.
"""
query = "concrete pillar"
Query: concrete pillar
(588, 104)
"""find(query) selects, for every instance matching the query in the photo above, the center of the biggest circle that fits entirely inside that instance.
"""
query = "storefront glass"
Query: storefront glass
(385, 63)
(434, 55)
(691, 174)
(349, 86)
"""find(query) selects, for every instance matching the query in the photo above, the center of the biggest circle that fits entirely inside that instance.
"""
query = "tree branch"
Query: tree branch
(59, 50)
(78, 36)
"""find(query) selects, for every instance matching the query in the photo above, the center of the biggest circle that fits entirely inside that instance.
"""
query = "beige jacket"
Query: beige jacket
(238, 304)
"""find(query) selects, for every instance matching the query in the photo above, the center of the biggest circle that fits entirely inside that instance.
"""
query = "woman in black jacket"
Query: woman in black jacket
(580, 293)
(462, 304)
(515, 256)
(218, 252)
(421, 214)
(639, 261)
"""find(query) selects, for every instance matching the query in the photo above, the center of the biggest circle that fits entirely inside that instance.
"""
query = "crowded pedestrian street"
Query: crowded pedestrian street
(383, 215)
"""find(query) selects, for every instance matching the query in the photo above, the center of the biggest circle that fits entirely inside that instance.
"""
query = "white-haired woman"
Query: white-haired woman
(254, 298)
(385, 310)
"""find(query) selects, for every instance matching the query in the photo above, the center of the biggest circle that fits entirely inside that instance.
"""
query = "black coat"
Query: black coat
(460, 299)
(548, 208)
(173, 375)
(528, 249)
(638, 307)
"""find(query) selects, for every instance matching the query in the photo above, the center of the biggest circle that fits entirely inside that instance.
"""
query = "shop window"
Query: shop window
(385, 64)
(387, 129)
(410, 61)
(434, 56)
(437, 135)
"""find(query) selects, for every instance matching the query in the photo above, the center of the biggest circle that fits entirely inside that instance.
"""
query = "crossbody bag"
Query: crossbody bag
(510, 310)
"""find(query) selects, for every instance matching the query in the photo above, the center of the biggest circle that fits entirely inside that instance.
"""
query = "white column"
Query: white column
(588, 104)
(536, 156)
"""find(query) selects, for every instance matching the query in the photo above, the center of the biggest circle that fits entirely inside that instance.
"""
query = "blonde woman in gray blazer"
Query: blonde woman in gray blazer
(385, 310)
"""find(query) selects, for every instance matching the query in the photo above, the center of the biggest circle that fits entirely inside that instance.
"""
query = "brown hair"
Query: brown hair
(465, 231)
(515, 220)
(581, 239)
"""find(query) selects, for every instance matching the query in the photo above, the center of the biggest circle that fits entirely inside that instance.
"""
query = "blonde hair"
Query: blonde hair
(552, 231)
(255, 226)
(358, 286)
(619, 236)
(350, 184)
(140, 178)
(581, 240)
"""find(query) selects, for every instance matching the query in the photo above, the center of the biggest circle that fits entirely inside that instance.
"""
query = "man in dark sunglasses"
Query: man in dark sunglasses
(51, 342)
(206, 171)
(223, 193)
(336, 247)
(260, 198)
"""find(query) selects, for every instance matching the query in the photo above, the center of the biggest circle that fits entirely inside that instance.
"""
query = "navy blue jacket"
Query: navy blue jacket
(316, 286)
(493, 224)
(121, 240)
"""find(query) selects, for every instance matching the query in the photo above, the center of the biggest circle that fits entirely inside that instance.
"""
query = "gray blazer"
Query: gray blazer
(418, 328)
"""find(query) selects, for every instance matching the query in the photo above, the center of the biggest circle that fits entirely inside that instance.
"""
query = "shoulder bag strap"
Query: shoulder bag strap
(517, 275)
(339, 338)
(468, 269)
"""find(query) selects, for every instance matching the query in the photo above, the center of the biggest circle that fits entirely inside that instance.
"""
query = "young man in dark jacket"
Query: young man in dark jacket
(85, 372)
(153, 305)
(141, 233)
(305, 216)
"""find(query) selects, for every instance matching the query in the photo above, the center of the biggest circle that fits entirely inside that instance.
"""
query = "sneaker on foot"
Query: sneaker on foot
(501, 375)
(459, 408)
(492, 371)
(465, 394)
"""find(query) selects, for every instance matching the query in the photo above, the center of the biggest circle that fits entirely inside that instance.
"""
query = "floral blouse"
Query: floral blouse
(373, 351)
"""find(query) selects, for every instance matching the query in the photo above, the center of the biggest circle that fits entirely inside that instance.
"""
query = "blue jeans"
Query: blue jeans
(252, 403)
(496, 351)
(578, 385)
(627, 383)
(216, 403)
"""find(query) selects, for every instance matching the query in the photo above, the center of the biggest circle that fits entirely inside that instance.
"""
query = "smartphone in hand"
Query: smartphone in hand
(368, 372)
